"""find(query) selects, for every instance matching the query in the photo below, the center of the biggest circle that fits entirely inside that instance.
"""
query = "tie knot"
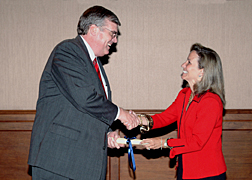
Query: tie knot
(95, 61)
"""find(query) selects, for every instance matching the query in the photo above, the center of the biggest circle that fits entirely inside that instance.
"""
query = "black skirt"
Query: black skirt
(180, 172)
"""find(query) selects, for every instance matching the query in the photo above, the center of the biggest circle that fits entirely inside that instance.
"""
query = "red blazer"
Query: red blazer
(199, 133)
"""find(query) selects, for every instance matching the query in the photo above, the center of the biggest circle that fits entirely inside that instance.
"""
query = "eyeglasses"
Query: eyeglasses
(113, 33)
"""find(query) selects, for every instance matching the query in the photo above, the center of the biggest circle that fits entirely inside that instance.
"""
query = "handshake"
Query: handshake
(130, 120)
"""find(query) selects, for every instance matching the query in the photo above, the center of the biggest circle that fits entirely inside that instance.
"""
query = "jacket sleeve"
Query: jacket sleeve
(79, 83)
(169, 116)
(207, 116)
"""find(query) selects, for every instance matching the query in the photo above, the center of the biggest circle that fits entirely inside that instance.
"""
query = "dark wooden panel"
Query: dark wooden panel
(14, 147)
(16, 126)
(237, 149)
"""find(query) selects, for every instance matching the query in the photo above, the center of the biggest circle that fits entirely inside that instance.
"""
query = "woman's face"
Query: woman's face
(191, 72)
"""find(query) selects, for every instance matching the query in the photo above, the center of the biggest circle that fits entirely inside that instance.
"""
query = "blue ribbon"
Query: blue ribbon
(131, 158)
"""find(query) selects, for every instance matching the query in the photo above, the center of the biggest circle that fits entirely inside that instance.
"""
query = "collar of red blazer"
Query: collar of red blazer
(196, 98)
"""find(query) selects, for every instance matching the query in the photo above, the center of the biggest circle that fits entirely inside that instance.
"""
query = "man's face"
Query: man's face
(107, 35)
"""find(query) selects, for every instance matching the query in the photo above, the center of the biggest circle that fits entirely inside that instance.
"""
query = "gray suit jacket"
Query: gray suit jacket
(69, 135)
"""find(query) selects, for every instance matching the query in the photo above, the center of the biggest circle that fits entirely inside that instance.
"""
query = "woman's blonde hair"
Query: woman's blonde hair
(212, 79)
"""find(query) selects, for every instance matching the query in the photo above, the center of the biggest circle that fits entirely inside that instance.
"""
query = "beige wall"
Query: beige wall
(144, 73)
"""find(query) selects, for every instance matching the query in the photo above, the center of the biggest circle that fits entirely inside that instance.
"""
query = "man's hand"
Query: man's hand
(112, 137)
(129, 119)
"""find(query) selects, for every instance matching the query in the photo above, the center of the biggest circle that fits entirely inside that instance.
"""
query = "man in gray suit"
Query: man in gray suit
(71, 131)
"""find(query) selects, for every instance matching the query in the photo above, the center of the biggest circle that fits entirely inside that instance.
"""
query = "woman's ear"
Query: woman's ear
(201, 72)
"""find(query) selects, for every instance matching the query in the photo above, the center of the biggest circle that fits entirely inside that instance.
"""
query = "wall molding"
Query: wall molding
(22, 120)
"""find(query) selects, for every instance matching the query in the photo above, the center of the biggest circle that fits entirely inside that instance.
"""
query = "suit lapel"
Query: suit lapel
(82, 45)
(84, 48)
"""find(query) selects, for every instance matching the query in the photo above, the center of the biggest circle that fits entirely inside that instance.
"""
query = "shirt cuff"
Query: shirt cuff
(118, 113)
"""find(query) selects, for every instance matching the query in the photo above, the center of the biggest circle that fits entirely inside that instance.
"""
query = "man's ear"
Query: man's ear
(93, 30)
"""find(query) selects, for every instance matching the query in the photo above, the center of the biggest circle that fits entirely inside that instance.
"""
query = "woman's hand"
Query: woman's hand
(152, 143)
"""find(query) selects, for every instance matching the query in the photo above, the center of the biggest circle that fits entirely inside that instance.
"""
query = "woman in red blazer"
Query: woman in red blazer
(198, 110)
